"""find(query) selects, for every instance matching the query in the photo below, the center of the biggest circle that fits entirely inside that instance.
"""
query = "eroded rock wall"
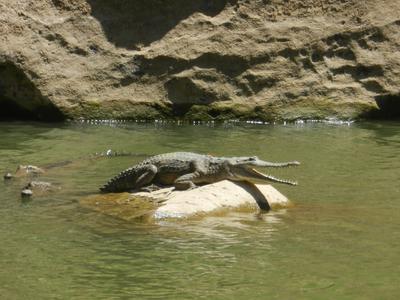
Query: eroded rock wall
(204, 59)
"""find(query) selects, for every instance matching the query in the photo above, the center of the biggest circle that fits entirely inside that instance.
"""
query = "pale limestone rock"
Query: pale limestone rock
(167, 203)
(210, 198)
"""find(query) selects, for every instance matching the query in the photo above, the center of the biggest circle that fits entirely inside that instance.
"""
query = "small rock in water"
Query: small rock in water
(40, 188)
(26, 193)
(25, 170)
(39, 184)
(8, 176)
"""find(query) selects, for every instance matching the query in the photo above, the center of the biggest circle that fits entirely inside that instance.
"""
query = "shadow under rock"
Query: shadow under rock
(261, 200)
(389, 106)
(20, 99)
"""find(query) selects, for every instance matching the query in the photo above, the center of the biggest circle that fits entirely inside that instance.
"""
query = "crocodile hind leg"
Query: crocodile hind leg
(146, 178)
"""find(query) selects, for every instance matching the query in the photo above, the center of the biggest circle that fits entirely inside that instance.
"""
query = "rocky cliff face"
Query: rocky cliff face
(261, 59)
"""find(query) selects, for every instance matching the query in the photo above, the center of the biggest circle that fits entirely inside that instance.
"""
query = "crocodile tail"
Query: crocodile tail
(124, 181)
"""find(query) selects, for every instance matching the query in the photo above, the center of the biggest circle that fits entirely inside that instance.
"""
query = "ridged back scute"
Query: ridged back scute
(121, 182)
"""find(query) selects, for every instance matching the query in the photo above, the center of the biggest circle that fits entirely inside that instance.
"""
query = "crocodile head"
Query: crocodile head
(242, 168)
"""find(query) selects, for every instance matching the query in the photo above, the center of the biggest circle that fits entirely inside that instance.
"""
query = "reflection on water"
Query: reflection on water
(340, 240)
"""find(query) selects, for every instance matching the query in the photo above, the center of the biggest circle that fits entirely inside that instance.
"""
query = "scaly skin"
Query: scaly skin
(186, 170)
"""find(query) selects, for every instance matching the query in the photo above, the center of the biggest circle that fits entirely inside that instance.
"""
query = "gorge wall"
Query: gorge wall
(221, 59)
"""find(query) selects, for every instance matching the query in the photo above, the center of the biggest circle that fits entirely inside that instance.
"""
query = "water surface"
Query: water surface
(341, 239)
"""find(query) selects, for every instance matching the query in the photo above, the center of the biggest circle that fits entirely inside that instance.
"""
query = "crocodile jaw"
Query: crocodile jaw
(252, 175)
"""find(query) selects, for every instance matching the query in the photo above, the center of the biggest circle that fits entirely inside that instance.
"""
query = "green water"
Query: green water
(341, 240)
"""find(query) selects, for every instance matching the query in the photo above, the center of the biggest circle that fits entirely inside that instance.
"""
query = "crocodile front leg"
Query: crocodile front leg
(185, 182)
(188, 181)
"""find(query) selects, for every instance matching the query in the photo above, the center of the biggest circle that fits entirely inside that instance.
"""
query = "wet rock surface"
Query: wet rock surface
(200, 60)
(26, 193)
(8, 176)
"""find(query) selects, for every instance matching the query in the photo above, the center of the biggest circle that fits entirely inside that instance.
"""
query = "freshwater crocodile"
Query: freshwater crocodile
(186, 170)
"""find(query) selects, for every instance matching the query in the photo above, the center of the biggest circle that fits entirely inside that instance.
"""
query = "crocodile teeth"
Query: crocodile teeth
(274, 178)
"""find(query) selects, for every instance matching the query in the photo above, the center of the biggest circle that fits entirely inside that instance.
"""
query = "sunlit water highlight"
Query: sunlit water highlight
(341, 239)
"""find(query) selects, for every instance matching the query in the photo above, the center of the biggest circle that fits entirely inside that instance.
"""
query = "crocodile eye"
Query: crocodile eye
(253, 158)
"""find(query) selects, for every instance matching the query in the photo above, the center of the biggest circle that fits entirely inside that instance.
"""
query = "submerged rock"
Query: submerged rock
(168, 203)
(121, 205)
(38, 188)
(28, 170)
(24, 171)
